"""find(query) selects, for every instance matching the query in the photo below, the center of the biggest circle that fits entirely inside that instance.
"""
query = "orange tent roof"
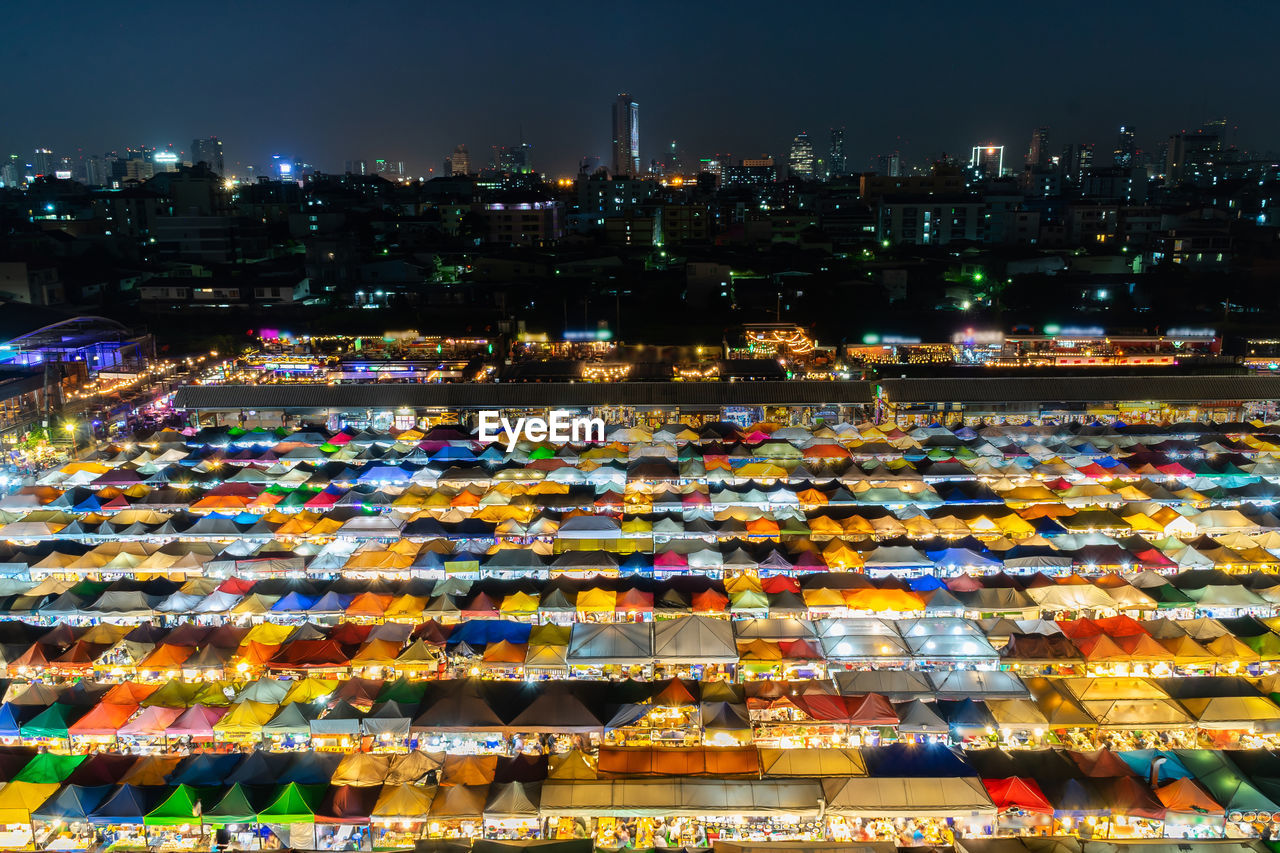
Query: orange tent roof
(1101, 647)
(1184, 795)
(257, 654)
(369, 604)
(882, 600)
(104, 719)
(166, 656)
(503, 652)
(129, 693)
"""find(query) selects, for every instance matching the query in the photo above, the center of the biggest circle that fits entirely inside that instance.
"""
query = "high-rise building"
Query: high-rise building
(513, 159)
(95, 171)
(208, 149)
(1077, 159)
(837, 163)
(392, 170)
(43, 162)
(12, 173)
(800, 163)
(460, 162)
(1216, 127)
(675, 162)
(1126, 149)
(889, 165)
(987, 161)
(357, 167)
(1190, 158)
(1038, 151)
(626, 136)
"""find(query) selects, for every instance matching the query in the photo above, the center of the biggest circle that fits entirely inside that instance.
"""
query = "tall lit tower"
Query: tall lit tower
(1038, 152)
(43, 162)
(837, 162)
(208, 150)
(987, 161)
(801, 161)
(626, 136)
(1125, 147)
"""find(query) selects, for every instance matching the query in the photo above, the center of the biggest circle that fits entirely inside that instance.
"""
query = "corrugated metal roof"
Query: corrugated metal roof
(521, 395)
(537, 395)
(1082, 389)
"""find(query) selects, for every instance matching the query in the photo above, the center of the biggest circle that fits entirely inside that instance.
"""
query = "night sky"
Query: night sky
(327, 81)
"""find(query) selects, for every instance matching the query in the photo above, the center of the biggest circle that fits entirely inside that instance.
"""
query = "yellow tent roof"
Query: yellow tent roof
(519, 602)
(310, 689)
(574, 765)
(406, 605)
(840, 556)
(596, 600)
(245, 718)
(404, 802)
(268, 633)
(19, 799)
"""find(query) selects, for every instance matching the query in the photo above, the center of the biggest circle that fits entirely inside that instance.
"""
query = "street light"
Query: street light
(70, 427)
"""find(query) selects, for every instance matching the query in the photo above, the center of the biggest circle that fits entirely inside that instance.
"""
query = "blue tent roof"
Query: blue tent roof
(89, 504)
(636, 564)
(477, 632)
(453, 454)
(1141, 760)
(961, 557)
(294, 601)
(204, 769)
(384, 474)
(332, 602)
(73, 802)
(128, 804)
(925, 583)
(9, 726)
(924, 760)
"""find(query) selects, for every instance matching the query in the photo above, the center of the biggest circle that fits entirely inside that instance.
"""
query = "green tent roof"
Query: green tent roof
(403, 690)
(234, 807)
(1169, 597)
(296, 804)
(177, 809)
(1266, 645)
(749, 599)
(48, 767)
(53, 721)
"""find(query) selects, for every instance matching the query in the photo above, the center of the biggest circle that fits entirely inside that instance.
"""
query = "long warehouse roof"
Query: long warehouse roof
(1017, 389)
(508, 395)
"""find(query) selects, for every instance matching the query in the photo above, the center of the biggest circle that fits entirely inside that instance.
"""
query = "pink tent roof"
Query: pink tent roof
(152, 722)
(196, 721)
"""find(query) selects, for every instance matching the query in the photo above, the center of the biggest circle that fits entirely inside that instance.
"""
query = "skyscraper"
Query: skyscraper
(1125, 147)
(208, 150)
(392, 170)
(513, 159)
(461, 160)
(12, 172)
(95, 171)
(1076, 160)
(1038, 152)
(837, 163)
(43, 162)
(626, 136)
(889, 165)
(987, 161)
(1190, 157)
(801, 161)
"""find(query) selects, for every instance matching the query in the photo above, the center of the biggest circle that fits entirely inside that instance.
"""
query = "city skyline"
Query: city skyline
(265, 102)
